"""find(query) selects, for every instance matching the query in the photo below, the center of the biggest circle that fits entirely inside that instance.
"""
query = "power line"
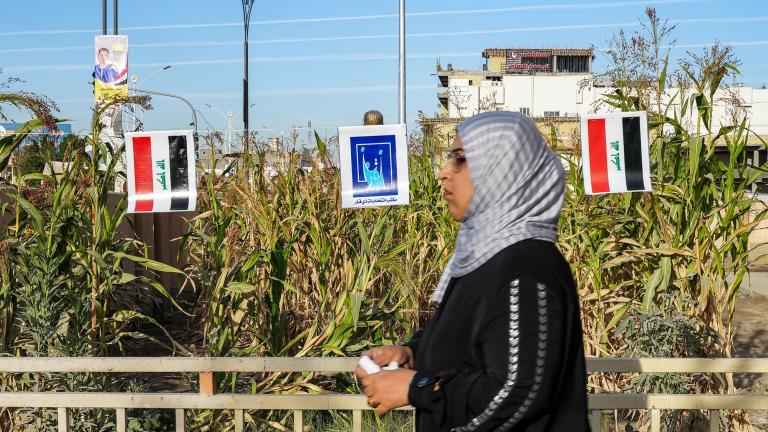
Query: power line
(574, 6)
(326, 57)
(390, 36)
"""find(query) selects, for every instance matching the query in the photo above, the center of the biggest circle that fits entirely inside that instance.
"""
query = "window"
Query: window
(551, 113)
(525, 110)
(470, 82)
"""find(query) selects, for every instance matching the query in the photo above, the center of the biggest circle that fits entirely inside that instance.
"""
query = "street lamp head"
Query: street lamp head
(166, 67)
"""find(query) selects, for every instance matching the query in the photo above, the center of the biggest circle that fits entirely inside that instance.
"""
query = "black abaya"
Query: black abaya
(504, 349)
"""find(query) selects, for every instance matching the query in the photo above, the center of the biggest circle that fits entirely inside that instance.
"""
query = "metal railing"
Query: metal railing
(239, 403)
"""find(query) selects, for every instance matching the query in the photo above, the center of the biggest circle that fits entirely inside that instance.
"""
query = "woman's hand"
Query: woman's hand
(386, 390)
(384, 355)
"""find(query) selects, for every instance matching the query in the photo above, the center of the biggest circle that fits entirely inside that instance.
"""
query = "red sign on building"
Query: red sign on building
(526, 60)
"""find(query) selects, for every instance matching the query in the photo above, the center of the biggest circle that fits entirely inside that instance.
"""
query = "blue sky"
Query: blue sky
(328, 61)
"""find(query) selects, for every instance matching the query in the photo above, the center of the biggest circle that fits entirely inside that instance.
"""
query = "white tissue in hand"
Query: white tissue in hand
(368, 365)
(391, 366)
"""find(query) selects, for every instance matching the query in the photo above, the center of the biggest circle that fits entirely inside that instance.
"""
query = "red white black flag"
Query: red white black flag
(161, 171)
(615, 153)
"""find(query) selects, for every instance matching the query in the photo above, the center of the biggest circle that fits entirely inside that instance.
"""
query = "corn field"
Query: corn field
(272, 266)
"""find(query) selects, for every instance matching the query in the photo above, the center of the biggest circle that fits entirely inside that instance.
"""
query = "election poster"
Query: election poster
(374, 166)
(615, 153)
(110, 70)
(160, 167)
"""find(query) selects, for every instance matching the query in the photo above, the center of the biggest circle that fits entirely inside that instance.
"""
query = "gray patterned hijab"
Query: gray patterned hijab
(517, 190)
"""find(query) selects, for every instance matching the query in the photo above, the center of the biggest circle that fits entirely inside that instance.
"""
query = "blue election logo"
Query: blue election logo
(374, 165)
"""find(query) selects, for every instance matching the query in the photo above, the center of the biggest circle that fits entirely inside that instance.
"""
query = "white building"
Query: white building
(559, 83)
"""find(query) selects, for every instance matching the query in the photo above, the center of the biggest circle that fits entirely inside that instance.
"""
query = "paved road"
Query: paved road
(755, 284)
(751, 338)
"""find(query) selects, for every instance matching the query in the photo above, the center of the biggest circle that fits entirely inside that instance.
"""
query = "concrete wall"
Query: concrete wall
(545, 94)
(495, 63)
(752, 101)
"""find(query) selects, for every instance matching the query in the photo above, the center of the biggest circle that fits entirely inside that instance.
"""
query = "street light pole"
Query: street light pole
(183, 99)
(227, 133)
(166, 67)
(134, 79)
(229, 116)
(401, 80)
(247, 7)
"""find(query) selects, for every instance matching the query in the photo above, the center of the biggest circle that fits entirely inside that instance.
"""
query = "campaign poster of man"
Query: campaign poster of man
(110, 70)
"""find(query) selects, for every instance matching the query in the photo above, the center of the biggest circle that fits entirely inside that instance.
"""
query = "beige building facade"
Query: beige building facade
(555, 87)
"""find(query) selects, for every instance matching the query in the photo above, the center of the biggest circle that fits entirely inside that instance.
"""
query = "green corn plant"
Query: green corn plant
(63, 270)
(684, 249)
(283, 270)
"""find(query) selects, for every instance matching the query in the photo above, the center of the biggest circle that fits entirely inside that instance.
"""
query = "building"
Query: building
(64, 129)
(536, 82)
(213, 160)
(556, 86)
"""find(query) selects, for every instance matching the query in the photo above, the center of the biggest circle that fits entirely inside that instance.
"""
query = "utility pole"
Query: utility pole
(117, 119)
(104, 17)
(247, 7)
(401, 80)
(114, 14)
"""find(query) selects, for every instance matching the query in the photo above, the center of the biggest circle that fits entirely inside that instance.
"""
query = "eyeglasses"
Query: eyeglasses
(456, 157)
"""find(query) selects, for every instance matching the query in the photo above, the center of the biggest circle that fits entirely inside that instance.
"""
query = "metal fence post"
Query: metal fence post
(239, 423)
(714, 420)
(298, 420)
(63, 425)
(357, 421)
(180, 426)
(655, 420)
(596, 421)
(120, 420)
(207, 383)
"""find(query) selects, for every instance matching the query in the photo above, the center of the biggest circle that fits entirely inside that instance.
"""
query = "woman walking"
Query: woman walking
(503, 351)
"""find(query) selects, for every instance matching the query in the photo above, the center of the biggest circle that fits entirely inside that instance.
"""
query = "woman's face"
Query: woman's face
(457, 185)
(103, 57)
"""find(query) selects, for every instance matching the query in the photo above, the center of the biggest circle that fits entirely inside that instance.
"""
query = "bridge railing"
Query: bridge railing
(206, 398)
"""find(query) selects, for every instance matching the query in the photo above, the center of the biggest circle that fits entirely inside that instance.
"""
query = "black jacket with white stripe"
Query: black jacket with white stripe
(504, 349)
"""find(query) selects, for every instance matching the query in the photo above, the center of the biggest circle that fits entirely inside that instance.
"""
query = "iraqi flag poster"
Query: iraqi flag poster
(615, 153)
(160, 167)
